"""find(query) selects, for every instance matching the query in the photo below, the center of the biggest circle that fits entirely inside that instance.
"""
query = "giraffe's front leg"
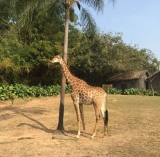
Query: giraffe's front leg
(78, 118)
(82, 116)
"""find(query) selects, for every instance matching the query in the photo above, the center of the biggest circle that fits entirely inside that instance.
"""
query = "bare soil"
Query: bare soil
(28, 128)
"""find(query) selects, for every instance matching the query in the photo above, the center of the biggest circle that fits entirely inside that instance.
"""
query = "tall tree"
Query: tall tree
(88, 24)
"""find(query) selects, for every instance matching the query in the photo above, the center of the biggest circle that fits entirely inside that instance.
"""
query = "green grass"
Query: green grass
(136, 111)
(134, 124)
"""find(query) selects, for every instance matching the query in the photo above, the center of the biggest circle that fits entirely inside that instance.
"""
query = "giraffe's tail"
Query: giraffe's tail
(104, 112)
(106, 119)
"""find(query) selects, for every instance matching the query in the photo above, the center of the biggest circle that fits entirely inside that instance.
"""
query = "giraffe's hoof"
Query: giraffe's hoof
(92, 137)
(77, 136)
(94, 134)
(106, 133)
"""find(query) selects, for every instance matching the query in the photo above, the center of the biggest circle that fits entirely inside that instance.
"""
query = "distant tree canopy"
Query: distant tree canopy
(106, 55)
(25, 49)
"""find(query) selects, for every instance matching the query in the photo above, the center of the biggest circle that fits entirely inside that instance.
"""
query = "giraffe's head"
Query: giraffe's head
(56, 59)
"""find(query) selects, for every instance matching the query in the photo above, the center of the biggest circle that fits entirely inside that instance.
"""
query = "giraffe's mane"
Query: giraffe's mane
(72, 73)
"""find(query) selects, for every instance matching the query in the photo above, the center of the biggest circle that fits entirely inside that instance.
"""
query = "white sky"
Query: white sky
(137, 20)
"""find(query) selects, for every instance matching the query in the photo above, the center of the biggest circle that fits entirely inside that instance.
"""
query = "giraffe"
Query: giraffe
(82, 93)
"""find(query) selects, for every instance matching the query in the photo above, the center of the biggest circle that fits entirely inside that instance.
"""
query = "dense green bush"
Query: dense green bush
(149, 92)
(22, 91)
(113, 91)
(133, 91)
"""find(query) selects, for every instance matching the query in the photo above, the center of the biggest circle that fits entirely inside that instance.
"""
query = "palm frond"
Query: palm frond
(95, 4)
(25, 9)
(88, 23)
(78, 4)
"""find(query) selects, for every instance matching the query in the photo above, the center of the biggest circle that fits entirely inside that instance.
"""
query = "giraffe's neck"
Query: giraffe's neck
(69, 77)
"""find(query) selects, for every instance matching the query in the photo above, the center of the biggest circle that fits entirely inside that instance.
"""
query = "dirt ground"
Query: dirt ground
(27, 128)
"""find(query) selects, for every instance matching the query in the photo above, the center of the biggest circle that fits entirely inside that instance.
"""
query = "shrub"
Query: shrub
(131, 91)
(22, 91)
(113, 91)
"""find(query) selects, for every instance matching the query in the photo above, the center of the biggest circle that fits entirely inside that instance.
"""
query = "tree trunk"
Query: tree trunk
(63, 82)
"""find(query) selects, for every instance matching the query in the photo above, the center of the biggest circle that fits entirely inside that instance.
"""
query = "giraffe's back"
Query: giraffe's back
(89, 94)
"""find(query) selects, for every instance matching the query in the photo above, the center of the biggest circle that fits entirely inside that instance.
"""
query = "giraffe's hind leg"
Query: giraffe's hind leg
(104, 113)
(96, 125)
(97, 114)
(82, 115)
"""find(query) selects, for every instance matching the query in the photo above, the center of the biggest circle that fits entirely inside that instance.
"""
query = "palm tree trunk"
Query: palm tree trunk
(63, 83)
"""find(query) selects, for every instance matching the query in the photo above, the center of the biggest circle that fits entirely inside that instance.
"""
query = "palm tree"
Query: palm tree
(89, 24)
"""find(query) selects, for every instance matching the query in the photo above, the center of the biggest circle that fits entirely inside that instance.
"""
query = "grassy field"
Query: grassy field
(27, 128)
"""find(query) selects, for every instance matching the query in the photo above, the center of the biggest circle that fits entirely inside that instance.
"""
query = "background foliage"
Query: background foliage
(26, 48)
(133, 91)
(23, 91)
(10, 92)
